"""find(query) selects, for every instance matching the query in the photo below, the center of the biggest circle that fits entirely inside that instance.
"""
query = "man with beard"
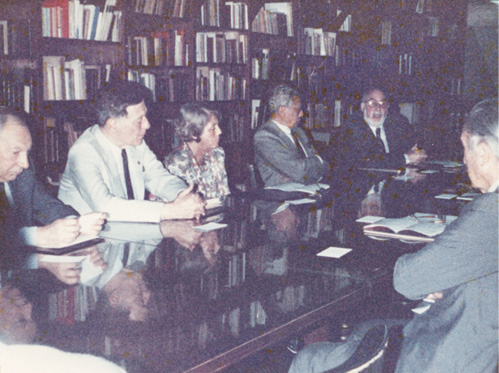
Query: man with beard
(375, 138)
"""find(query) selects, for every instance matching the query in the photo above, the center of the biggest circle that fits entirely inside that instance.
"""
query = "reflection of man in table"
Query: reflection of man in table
(282, 151)
(377, 137)
(459, 269)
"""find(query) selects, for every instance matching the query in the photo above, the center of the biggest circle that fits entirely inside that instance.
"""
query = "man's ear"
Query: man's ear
(110, 123)
(483, 153)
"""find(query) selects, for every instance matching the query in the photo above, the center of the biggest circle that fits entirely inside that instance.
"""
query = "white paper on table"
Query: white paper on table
(334, 252)
(209, 227)
(429, 172)
(446, 196)
(369, 219)
(301, 201)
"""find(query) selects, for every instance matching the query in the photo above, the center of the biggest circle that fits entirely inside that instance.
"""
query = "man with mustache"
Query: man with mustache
(110, 166)
(377, 138)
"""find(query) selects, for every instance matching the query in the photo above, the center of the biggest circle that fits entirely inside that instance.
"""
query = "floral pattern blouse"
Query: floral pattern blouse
(210, 177)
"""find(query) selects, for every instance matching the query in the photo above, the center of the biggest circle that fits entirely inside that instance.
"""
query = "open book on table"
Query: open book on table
(297, 187)
(418, 227)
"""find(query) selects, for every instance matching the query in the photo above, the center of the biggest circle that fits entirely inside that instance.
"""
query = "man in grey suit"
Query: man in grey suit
(282, 152)
(110, 166)
(456, 276)
(28, 214)
(458, 271)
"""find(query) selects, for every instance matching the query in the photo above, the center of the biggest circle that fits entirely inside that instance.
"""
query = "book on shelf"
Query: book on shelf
(275, 19)
(4, 38)
(418, 227)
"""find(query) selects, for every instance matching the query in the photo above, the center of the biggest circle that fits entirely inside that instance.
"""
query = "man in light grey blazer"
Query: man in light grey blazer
(282, 152)
(110, 166)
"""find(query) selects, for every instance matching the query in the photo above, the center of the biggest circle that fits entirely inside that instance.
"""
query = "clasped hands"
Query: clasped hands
(187, 205)
(64, 231)
(416, 155)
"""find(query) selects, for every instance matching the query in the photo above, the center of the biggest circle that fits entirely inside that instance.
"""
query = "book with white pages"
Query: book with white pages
(297, 187)
(418, 227)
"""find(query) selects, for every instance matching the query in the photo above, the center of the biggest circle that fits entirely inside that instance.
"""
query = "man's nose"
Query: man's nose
(23, 160)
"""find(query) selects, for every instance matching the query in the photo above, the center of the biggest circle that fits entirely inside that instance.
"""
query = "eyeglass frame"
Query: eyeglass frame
(372, 103)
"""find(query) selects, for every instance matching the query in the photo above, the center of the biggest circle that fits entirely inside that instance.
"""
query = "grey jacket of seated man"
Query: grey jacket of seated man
(279, 161)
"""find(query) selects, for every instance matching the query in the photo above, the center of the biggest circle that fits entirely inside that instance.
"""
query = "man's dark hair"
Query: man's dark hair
(112, 99)
(20, 116)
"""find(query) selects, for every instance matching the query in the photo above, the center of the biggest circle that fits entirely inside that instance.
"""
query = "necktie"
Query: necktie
(5, 207)
(128, 181)
(381, 144)
(298, 145)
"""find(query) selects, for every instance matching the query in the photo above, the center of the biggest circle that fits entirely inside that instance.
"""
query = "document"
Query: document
(446, 196)
(334, 252)
(418, 227)
(297, 187)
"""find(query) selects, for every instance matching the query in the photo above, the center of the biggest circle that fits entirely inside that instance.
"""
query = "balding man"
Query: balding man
(28, 214)
(459, 333)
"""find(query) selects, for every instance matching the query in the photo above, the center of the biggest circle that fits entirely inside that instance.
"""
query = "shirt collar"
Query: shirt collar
(493, 187)
(282, 127)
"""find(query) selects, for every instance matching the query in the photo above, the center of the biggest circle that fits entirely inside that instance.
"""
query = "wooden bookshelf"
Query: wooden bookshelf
(228, 55)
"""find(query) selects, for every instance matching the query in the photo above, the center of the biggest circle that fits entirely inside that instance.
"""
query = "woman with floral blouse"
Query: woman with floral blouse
(199, 160)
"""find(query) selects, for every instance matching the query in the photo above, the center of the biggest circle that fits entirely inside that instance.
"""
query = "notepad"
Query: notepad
(297, 187)
(334, 252)
(446, 196)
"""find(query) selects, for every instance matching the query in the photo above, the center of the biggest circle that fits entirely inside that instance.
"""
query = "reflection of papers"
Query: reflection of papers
(88, 269)
(429, 172)
(446, 196)
(469, 196)
(63, 258)
(209, 227)
(369, 219)
(301, 201)
(297, 187)
(334, 252)
(451, 164)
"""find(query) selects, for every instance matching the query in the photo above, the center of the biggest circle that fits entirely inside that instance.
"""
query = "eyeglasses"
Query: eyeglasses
(372, 103)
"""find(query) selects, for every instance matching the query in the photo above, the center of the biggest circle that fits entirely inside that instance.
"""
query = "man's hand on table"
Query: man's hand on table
(187, 205)
(182, 232)
(416, 155)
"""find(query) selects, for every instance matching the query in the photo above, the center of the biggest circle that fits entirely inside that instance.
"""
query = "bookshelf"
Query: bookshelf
(228, 55)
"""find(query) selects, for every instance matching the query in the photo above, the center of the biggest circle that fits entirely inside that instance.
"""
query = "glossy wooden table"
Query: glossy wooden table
(218, 297)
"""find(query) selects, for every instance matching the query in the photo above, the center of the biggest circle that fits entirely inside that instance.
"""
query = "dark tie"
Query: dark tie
(298, 145)
(128, 181)
(126, 254)
(381, 144)
(5, 207)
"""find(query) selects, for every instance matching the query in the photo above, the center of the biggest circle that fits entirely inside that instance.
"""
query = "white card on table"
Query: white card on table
(334, 252)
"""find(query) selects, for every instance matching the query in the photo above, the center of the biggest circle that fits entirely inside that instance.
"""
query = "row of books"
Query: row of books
(71, 80)
(266, 65)
(215, 84)
(17, 89)
(56, 143)
(170, 87)
(317, 42)
(72, 305)
(175, 8)
(157, 50)
(74, 19)
(221, 47)
(275, 19)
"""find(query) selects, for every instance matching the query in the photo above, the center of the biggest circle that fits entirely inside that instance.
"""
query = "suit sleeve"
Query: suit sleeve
(46, 208)
(286, 161)
(467, 250)
(88, 178)
(158, 180)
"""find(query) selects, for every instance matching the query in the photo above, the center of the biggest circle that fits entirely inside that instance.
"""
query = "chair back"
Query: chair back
(369, 355)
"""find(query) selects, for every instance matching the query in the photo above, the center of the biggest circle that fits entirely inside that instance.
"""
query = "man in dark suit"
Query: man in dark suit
(282, 151)
(375, 137)
(28, 214)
